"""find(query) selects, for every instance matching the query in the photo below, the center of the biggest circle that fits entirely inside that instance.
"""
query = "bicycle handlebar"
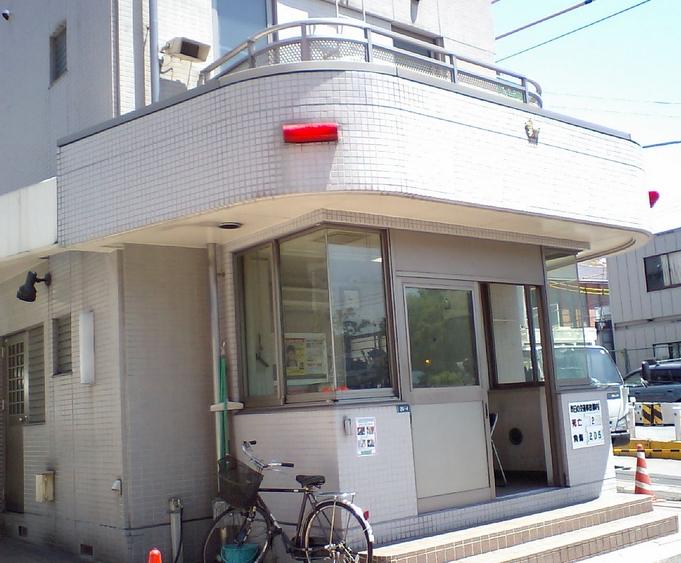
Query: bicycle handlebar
(247, 448)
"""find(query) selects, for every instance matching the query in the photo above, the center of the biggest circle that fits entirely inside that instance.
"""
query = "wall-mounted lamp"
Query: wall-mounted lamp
(532, 132)
(653, 196)
(27, 292)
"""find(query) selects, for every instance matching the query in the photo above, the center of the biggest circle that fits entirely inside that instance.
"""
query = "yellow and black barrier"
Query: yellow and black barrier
(653, 449)
(651, 413)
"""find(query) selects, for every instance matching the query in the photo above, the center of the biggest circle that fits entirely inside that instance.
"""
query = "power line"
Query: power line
(661, 144)
(599, 110)
(608, 98)
(573, 31)
(547, 18)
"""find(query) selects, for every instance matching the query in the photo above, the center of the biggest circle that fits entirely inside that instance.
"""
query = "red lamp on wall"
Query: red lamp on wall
(653, 196)
(310, 133)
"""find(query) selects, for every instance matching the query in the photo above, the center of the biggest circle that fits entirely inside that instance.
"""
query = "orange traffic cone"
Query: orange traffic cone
(642, 484)
(154, 556)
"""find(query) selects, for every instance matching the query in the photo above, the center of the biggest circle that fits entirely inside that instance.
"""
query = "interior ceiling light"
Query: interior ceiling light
(229, 225)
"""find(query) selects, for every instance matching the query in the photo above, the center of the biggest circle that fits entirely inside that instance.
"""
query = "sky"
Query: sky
(624, 73)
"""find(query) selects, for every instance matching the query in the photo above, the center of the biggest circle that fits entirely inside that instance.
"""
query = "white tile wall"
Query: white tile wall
(81, 438)
(170, 445)
(397, 136)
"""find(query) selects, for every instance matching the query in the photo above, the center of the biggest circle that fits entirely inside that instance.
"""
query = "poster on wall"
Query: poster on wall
(586, 424)
(305, 358)
(366, 435)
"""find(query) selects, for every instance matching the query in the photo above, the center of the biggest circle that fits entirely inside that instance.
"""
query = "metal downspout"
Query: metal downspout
(218, 384)
(155, 71)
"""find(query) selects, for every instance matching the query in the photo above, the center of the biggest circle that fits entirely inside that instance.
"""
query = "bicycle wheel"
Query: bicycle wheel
(244, 529)
(335, 531)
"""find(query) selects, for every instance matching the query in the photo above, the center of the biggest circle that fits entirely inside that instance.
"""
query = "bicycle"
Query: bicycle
(329, 525)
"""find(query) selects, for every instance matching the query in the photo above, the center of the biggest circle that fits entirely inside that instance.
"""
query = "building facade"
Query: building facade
(645, 291)
(398, 273)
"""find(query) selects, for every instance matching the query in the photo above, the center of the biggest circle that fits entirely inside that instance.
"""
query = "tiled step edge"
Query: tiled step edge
(501, 535)
(582, 544)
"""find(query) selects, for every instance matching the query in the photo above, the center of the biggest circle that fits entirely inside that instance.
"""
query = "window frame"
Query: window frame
(419, 35)
(282, 398)
(56, 371)
(54, 37)
(489, 334)
(645, 272)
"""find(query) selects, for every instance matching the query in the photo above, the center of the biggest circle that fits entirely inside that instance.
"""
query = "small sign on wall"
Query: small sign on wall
(586, 424)
(365, 429)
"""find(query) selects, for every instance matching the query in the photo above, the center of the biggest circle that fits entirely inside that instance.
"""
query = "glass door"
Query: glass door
(444, 378)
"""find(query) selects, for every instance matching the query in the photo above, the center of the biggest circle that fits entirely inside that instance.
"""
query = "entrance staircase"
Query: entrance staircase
(571, 533)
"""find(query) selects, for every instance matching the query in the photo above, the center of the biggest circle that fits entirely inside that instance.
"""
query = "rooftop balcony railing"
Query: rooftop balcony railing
(331, 39)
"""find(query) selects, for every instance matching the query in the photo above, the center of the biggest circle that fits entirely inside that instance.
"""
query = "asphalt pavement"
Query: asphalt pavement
(18, 551)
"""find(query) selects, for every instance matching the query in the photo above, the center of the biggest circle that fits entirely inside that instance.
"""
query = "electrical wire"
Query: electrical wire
(572, 31)
(546, 18)
(599, 110)
(664, 144)
(573, 95)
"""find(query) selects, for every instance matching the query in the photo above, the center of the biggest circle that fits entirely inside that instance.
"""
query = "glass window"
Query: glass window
(412, 47)
(566, 299)
(657, 272)
(334, 326)
(441, 337)
(260, 352)
(238, 20)
(515, 332)
(358, 310)
(58, 53)
(61, 334)
(308, 354)
(662, 271)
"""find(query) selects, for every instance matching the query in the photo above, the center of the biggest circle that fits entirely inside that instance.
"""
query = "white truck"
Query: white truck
(569, 361)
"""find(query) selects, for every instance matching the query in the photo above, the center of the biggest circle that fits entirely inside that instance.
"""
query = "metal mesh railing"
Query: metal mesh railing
(356, 41)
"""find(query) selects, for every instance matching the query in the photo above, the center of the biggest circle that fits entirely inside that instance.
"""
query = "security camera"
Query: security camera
(6, 15)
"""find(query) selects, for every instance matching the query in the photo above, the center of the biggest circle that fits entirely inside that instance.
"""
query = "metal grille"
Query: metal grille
(62, 344)
(15, 378)
(36, 375)
(412, 63)
(279, 54)
(58, 54)
(336, 50)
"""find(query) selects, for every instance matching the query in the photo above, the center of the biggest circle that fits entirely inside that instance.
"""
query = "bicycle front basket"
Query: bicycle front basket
(238, 483)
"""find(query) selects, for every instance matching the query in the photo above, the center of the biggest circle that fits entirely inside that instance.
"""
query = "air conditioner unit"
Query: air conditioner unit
(186, 49)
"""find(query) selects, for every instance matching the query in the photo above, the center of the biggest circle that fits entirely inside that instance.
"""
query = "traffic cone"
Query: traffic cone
(154, 556)
(642, 484)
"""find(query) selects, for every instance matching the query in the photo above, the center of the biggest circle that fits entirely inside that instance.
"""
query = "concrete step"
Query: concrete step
(509, 533)
(586, 543)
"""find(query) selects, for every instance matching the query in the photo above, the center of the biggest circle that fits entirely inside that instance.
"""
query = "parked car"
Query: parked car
(604, 374)
(660, 382)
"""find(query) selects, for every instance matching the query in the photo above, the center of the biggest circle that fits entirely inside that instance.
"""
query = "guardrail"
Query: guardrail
(340, 39)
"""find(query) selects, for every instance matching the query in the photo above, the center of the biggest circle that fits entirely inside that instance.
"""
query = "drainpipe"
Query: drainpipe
(153, 51)
(218, 383)
(175, 510)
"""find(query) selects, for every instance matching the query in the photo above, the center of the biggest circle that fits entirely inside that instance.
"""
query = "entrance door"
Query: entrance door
(444, 377)
(16, 385)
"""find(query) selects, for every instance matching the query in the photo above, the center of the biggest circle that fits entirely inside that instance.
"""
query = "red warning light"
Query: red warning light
(310, 132)
(653, 196)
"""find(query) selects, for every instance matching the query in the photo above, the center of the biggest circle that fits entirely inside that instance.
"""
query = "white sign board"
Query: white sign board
(586, 424)
(366, 435)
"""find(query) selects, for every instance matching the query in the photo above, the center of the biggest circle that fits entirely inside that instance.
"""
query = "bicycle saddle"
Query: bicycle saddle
(311, 480)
